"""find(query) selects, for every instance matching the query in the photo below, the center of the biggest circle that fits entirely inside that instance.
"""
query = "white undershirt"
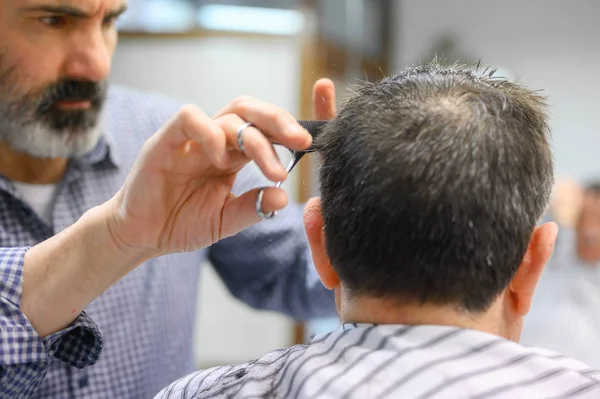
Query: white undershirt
(40, 197)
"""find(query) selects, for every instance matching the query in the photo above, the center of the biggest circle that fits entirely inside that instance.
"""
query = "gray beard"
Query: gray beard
(52, 134)
(35, 138)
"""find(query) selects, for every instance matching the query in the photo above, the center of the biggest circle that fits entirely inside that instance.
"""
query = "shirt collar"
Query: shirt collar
(105, 151)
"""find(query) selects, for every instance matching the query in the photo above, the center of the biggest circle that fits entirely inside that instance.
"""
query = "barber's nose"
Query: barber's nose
(89, 59)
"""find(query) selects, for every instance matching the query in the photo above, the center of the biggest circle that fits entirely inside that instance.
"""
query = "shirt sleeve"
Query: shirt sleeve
(269, 265)
(24, 355)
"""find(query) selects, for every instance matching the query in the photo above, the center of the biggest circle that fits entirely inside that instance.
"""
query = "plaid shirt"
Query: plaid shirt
(397, 361)
(146, 319)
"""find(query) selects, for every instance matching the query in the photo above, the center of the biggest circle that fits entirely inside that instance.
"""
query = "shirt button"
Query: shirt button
(83, 381)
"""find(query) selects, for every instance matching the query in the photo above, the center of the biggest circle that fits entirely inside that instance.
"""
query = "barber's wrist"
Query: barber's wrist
(121, 233)
(116, 232)
(63, 274)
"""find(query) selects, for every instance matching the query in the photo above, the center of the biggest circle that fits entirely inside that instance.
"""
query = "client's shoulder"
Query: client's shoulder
(256, 377)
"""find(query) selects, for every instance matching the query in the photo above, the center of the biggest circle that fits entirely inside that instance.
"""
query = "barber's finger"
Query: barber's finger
(240, 213)
(324, 99)
(225, 109)
(277, 124)
(255, 145)
(191, 124)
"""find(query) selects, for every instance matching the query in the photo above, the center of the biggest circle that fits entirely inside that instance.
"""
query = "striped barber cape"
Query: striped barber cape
(395, 361)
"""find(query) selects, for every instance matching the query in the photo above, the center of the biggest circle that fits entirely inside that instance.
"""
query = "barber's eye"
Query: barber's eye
(54, 20)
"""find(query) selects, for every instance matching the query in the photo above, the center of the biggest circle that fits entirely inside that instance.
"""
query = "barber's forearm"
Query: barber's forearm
(63, 274)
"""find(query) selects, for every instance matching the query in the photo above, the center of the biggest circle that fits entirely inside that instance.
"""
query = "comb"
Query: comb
(313, 127)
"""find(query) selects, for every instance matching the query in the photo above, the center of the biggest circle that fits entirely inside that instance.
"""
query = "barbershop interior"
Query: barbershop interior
(210, 52)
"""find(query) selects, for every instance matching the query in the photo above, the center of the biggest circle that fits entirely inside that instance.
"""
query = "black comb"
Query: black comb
(314, 128)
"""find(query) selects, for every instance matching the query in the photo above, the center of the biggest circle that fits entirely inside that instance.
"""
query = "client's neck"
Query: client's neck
(387, 311)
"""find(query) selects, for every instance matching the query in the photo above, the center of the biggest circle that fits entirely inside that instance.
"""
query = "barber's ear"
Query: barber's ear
(313, 223)
(539, 251)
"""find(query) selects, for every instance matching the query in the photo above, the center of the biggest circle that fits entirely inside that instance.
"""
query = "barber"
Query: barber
(110, 201)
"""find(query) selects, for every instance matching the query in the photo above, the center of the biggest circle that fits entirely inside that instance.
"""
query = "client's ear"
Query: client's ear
(538, 253)
(313, 223)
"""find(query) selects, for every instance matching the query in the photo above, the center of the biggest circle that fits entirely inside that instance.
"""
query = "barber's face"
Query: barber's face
(55, 57)
(588, 229)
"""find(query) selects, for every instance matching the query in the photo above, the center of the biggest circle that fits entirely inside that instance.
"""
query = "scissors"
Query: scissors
(314, 127)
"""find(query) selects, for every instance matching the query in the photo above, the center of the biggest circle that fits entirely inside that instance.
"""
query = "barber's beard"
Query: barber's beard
(31, 121)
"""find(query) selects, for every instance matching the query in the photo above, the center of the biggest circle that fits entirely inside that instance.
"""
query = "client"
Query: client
(432, 183)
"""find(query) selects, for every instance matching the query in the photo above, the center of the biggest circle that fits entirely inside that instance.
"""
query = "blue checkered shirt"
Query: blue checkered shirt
(137, 337)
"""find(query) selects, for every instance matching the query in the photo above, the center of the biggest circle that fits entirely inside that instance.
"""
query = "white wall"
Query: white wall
(550, 44)
(210, 72)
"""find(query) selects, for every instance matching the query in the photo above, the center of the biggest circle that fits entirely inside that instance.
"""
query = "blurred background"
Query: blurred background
(207, 52)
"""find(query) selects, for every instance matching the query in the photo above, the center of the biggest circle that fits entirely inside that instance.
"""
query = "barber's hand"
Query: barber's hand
(178, 197)
(324, 99)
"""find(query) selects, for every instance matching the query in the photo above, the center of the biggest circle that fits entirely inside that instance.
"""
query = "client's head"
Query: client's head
(432, 182)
